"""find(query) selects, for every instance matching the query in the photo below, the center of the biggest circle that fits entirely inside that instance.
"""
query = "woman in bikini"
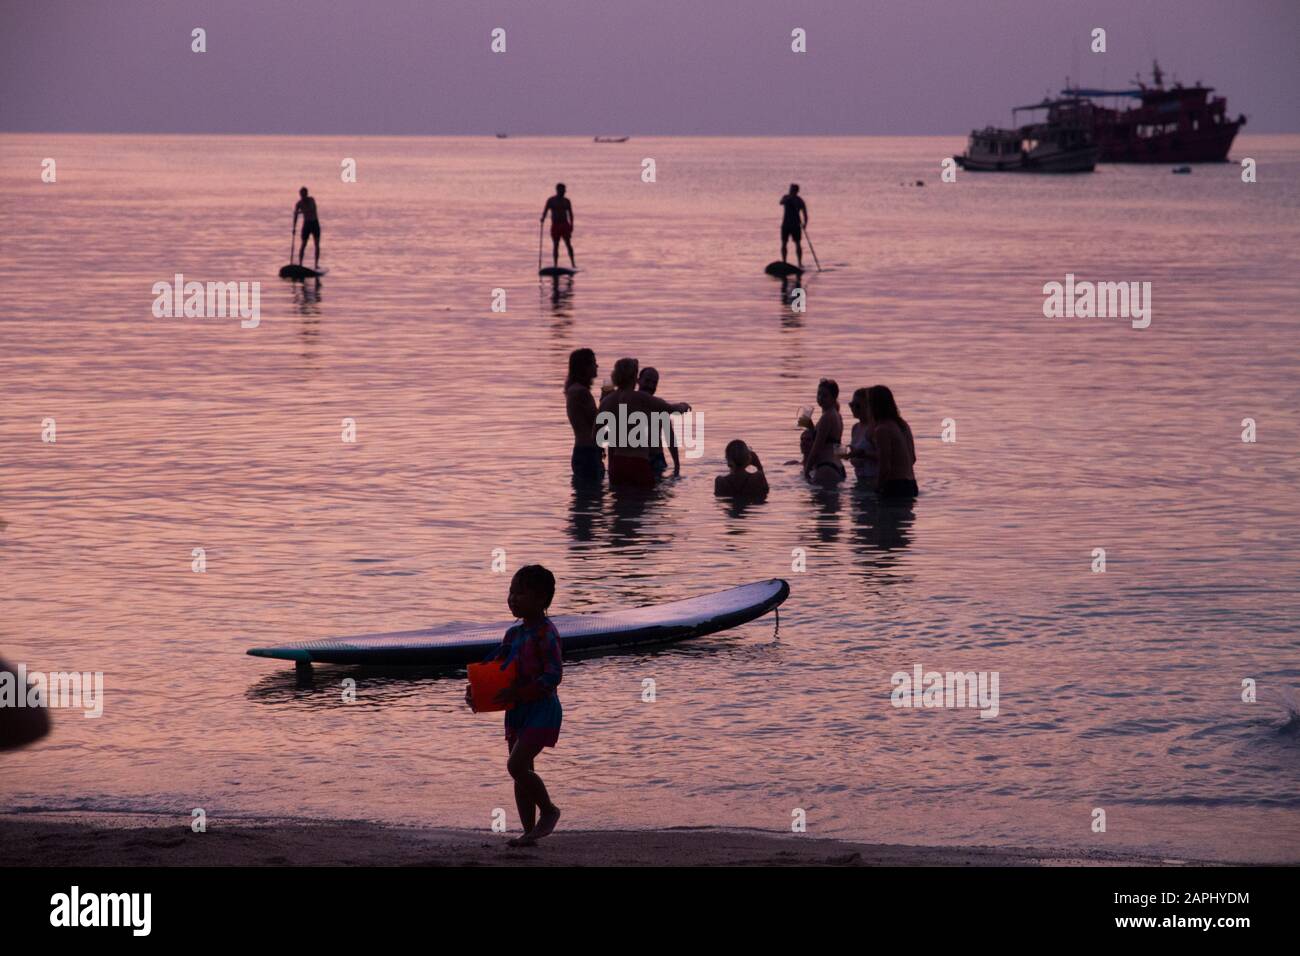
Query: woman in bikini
(821, 466)
(862, 450)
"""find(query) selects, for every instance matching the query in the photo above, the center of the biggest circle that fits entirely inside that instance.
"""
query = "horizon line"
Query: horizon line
(509, 135)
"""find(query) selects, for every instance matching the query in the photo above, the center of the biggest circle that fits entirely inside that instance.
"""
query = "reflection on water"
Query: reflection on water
(1119, 689)
(560, 292)
(880, 530)
(307, 296)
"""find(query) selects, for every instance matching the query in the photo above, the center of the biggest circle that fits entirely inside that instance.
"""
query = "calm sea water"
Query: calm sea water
(1119, 691)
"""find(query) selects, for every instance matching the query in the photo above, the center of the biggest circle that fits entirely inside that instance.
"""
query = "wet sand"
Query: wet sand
(142, 840)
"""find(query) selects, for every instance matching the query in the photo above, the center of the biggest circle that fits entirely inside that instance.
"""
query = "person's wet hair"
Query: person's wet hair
(881, 404)
(832, 385)
(735, 449)
(581, 362)
(624, 374)
(536, 580)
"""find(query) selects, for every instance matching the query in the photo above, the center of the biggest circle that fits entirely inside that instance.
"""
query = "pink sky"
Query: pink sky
(616, 66)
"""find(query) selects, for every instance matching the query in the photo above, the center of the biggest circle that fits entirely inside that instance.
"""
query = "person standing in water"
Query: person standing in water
(821, 463)
(561, 211)
(629, 464)
(648, 382)
(895, 447)
(793, 222)
(588, 459)
(533, 714)
(862, 450)
(310, 224)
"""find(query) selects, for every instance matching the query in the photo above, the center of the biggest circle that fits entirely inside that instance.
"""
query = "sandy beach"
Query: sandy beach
(145, 840)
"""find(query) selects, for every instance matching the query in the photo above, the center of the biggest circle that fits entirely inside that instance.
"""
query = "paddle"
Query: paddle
(539, 244)
(293, 235)
(811, 249)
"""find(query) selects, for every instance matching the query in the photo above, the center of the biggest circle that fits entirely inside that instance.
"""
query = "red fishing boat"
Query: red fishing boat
(1182, 124)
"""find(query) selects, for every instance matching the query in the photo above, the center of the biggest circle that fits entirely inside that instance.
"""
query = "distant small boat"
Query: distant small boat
(1059, 144)
(611, 139)
(502, 135)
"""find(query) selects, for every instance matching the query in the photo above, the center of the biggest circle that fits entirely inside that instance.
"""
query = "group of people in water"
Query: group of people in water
(630, 389)
(881, 448)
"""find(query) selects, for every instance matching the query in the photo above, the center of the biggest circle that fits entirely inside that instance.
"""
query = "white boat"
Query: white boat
(1061, 143)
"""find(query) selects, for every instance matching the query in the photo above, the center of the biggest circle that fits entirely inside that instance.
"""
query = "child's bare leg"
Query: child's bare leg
(523, 796)
(530, 795)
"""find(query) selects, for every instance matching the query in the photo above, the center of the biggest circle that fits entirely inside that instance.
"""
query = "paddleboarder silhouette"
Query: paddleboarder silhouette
(310, 224)
(561, 211)
(791, 225)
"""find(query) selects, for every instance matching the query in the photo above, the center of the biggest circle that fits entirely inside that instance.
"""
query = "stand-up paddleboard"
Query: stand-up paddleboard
(556, 271)
(782, 269)
(454, 644)
(292, 271)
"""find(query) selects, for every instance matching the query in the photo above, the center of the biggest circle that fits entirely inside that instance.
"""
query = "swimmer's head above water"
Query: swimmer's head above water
(738, 454)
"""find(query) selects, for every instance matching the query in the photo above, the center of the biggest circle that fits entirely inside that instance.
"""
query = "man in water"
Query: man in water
(793, 223)
(561, 211)
(310, 224)
(630, 464)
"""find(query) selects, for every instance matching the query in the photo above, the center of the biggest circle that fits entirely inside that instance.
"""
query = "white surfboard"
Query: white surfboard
(453, 644)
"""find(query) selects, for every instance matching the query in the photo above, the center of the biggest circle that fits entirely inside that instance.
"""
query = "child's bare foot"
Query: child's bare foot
(546, 824)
